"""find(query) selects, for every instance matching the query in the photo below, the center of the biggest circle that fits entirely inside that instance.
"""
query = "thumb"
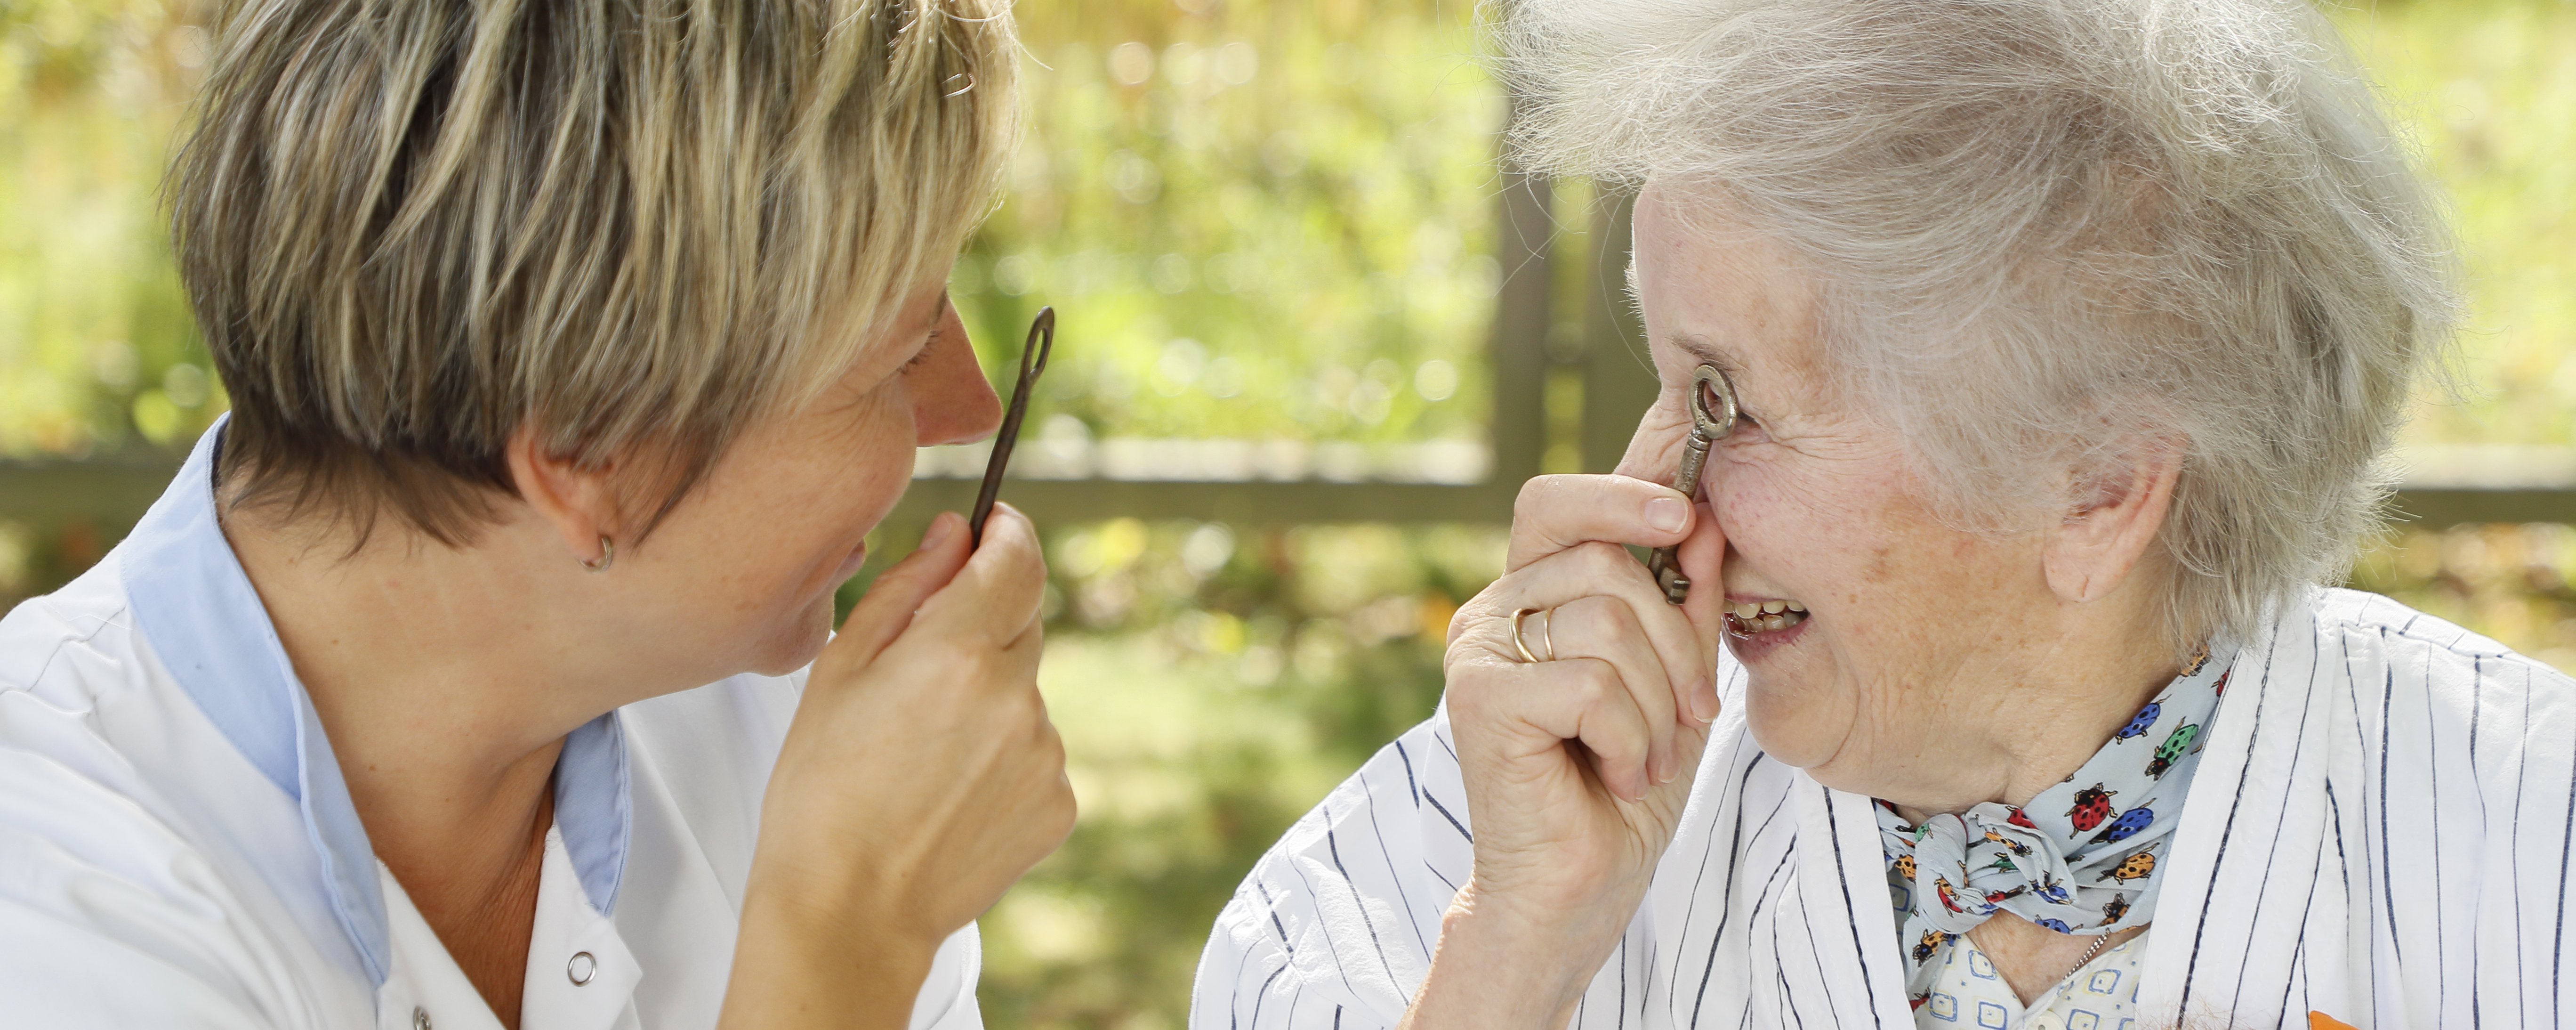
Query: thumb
(1703, 558)
(886, 609)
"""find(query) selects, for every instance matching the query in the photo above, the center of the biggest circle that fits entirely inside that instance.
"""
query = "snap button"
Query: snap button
(581, 967)
(419, 1018)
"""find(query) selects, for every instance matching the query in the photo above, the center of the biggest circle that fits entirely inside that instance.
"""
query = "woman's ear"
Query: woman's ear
(2113, 521)
(580, 504)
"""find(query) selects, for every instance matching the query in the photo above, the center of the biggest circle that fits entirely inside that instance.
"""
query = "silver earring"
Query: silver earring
(607, 554)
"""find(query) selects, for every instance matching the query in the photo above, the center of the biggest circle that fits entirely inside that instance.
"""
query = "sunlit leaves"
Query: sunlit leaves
(1255, 221)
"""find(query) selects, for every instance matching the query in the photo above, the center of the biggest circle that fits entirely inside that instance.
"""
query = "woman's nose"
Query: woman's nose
(951, 401)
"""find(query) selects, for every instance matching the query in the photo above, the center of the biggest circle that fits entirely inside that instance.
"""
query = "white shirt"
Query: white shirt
(2381, 831)
(1967, 991)
(178, 849)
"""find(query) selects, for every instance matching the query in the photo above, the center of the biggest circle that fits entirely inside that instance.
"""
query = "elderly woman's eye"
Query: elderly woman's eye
(1709, 399)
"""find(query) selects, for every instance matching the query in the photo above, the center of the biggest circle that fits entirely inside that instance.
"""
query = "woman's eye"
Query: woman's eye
(1705, 398)
(923, 355)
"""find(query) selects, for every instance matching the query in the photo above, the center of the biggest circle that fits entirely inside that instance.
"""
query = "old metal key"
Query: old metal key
(1712, 408)
(1033, 360)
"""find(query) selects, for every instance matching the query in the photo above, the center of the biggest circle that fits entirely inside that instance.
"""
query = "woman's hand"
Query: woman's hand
(1576, 768)
(920, 779)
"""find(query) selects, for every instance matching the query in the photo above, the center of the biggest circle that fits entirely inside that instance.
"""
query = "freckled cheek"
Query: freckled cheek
(859, 471)
(1838, 561)
(814, 505)
(1768, 520)
(875, 480)
(1742, 497)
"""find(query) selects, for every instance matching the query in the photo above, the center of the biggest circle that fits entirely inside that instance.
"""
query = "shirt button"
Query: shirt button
(419, 1018)
(2043, 1021)
(580, 968)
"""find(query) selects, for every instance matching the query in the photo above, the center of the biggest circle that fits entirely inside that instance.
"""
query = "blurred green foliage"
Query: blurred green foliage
(2488, 90)
(1258, 219)
(97, 351)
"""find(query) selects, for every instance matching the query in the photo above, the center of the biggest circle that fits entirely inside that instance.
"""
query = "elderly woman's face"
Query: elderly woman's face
(1907, 620)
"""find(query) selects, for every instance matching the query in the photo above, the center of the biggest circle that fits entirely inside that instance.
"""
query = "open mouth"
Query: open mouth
(1754, 618)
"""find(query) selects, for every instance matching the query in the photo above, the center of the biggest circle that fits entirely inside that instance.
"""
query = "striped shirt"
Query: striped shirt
(2380, 831)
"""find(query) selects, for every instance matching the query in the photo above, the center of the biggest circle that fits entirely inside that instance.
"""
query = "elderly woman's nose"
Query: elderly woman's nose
(951, 401)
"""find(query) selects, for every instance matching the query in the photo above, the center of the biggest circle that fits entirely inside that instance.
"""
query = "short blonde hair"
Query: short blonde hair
(410, 227)
(2044, 230)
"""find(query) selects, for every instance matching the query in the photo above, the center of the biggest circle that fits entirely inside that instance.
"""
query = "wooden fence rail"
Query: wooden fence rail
(110, 495)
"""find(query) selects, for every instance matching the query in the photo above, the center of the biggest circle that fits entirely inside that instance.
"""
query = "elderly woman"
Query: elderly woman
(2066, 336)
(478, 669)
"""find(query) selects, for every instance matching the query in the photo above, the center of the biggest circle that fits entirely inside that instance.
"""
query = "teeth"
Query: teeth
(1773, 607)
(1737, 621)
(1796, 607)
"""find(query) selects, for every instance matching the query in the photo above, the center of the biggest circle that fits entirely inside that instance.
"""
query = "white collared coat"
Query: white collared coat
(178, 849)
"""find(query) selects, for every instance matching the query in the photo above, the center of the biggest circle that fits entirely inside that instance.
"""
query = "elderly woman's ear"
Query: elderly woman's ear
(2112, 521)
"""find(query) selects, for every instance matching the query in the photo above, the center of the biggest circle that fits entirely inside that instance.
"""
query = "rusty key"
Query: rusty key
(1033, 360)
(1712, 408)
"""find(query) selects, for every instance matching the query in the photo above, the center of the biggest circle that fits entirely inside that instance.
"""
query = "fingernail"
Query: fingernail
(941, 528)
(1704, 703)
(1669, 514)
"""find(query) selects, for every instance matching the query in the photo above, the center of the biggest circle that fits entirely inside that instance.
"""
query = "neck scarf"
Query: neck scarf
(2079, 859)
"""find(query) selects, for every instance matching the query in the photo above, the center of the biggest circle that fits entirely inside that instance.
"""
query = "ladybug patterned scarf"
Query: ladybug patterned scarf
(2080, 858)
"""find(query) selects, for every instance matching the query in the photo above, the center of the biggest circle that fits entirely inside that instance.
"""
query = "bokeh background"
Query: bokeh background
(1262, 221)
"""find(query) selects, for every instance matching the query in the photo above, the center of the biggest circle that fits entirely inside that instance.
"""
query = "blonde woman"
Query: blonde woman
(2064, 340)
(477, 670)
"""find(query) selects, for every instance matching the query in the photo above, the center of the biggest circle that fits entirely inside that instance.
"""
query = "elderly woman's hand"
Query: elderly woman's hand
(921, 778)
(1576, 765)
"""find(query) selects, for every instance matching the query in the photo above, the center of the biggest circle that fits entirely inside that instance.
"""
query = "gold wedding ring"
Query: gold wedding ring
(1546, 634)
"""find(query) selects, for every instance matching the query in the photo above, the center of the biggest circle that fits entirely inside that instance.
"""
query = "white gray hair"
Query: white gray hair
(2047, 233)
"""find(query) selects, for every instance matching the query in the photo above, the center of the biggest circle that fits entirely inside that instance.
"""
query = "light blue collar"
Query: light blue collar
(196, 606)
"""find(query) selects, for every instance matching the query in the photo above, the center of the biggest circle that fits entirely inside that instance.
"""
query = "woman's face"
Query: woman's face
(741, 575)
(1910, 625)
